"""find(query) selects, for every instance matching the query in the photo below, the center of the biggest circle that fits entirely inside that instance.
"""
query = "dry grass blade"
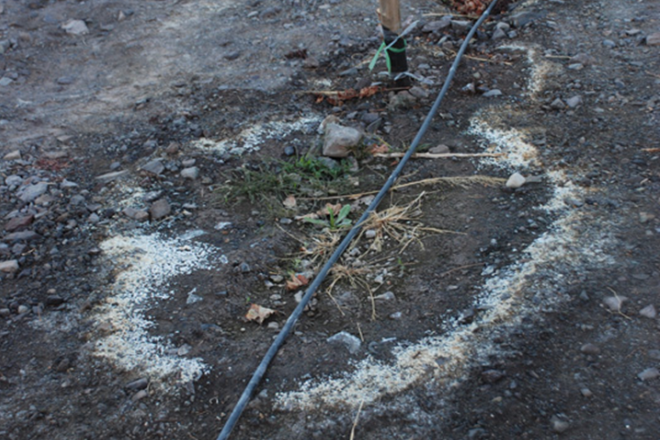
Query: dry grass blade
(322, 246)
(356, 278)
(355, 422)
(399, 222)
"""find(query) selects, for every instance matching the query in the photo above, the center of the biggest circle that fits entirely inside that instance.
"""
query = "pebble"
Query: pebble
(649, 312)
(649, 374)
(492, 376)
(140, 395)
(276, 278)
(396, 316)
(139, 384)
(13, 155)
(23, 309)
(231, 56)
(558, 104)
(614, 303)
(574, 101)
(10, 266)
(190, 173)
(418, 92)
(370, 233)
(440, 149)
(653, 39)
(159, 209)
(499, 34)
(586, 392)
(590, 349)
(75, 27)
(492, 93)
(19, 223)
(154, 166)
(582, 58)
(4, 81)
(244, 267)
(559, 424)
(289, 150)
(352, 343)
(387, 296)
(33, 191)
(516, 180)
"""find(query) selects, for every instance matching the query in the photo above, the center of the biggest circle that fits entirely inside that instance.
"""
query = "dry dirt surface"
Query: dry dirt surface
(158, 158)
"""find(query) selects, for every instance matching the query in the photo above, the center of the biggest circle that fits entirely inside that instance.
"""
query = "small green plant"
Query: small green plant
(333, 222)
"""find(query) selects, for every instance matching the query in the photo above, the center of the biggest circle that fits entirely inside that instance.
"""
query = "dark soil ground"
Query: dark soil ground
(532, 316)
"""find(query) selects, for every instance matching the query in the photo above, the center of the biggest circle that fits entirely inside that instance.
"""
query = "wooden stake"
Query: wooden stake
(389, 14)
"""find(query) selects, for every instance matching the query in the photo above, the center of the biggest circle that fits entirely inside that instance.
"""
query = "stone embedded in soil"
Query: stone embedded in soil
(574, 101)
(23, 309)
(352, 343)
(582, 58)
(12, 155)
(190, 173)
(31, 192)
(339, 139)
(586, 392)
(10, 266)
(140, 395)
(75, 27)
(440, 149)
(516, 180)
(21, 236)
(649, 312)
(19, 223)
(387, 296)
(653, 39)
(492, 376)
(557, 104)
(559, 424)
(590, 349)
(154, 166)
(492, 93)
(614, 303)
(159, 209)
(437, 25)
(139, 384)
(649, 374)
(54, 300)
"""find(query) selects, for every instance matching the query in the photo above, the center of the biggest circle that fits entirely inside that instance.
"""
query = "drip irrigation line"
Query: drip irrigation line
(286, 330)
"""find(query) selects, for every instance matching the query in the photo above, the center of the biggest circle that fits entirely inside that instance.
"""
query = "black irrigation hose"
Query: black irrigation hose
(272, 351)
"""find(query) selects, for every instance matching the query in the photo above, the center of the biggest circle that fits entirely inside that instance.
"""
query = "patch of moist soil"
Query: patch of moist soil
(498, 328)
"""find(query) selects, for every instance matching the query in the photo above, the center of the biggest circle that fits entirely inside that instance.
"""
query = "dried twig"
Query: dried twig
(651, 150)
(357, 418)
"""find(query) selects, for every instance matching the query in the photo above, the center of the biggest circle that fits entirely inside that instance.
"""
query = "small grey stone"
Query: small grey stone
(159, 209)
(649, 374)
(245, 268)
(499, 34)
(4, 81)
(276, 278)
(289, 150)
(23, 309)
(574, 101)
(154, 166)
(54, 300)
(590, 349)
(614, 303)
(192, 298)
(440, 149)
(10, 266)
(586, 392)
(654, 354)
(582, 58)
(139, 384)
(231, 56)
(31, 192)
(190, 173)
(437, 25)
(559, 424)
(188, 163)
(576, 66)
(516, 180)
(558, 104)
(653, 39)
(93, 218)
(21, 236)
(418, 92)
(492, 376)
(152, 195)
(648, 312)
(5, 312)
(522, 19)
(609, 43)
(13, 180)
(370, 233)
(387, 296)
(396, 316)
(346, 339)
(12, 155)
(492, 93)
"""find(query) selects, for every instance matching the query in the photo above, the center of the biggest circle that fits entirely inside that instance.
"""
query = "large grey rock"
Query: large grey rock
(339, 139)
(33, 191)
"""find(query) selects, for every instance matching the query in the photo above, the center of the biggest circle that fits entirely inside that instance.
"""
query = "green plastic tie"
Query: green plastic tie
(388, 48)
